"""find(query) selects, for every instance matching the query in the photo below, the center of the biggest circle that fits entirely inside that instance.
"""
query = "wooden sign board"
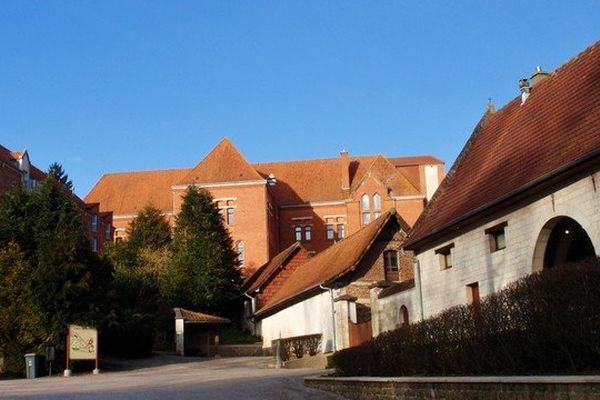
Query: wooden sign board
(83, 343)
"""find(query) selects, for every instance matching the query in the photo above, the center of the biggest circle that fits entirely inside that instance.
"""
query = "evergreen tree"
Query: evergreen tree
(204, 274)
(57, 172)
(68, 280)
(149, 229)
(63, 281)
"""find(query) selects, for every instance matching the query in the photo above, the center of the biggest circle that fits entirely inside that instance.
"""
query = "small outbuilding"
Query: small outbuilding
(193, 331)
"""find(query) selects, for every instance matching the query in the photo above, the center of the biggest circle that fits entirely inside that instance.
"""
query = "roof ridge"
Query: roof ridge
(143, 171)
(448, 178)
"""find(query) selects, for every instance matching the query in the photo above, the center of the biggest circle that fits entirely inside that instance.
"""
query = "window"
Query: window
(94, 244)
(473, 293)
(330, 232)
(365, 207)
(390, 260)
(298, 233)
(107, 232)
(445, 256)
(497, 238)
(341, 231)
(241, 253)
(376, 205)
(404, 316)
(308, 233)
(94, 223)
(230, 218)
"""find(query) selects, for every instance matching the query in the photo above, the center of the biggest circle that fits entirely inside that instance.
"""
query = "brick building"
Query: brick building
(328, 294)
(270, 206)
(521, 197)
(17, 171)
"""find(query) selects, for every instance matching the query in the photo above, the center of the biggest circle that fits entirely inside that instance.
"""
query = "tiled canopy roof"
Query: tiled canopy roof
(198, 317)
(519, 145)
(332, 263)
(265, 271)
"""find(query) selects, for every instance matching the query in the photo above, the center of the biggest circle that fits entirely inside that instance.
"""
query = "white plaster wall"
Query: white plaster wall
(431, 180)
(473, 261)
(389, 309)
(311, 316)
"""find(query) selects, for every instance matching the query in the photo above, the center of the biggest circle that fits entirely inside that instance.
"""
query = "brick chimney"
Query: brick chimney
(345, 165)
(538, 75)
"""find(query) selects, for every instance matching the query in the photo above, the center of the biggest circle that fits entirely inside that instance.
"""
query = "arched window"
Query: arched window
(404, 316)
(241, 250)
(365, 209)
(376, 205)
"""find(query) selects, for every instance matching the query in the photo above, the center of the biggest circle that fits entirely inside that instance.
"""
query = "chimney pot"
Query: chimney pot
(345, 169)
(538, 75)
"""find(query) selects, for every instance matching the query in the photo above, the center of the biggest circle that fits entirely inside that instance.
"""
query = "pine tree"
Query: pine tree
(149, 229)
(64, 281)
(57, 172)
(204, 274)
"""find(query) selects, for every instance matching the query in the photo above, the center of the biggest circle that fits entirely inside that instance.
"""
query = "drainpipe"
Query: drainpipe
(332, 315)
(417, 268)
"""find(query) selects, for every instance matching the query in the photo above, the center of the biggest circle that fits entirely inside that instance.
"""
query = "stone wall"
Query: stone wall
(462, 388)
(474, 262)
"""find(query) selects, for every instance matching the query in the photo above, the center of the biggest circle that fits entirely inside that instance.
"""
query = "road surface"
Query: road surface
(171, 377)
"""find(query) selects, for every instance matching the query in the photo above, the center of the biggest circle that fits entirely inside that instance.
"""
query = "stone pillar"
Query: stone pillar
(374, 291)
(180, 336)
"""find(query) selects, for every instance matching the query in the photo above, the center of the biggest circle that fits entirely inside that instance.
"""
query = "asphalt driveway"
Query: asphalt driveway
(171, 377)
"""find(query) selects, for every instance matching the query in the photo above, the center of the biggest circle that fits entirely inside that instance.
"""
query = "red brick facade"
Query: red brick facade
(275, 204)
(16, 171)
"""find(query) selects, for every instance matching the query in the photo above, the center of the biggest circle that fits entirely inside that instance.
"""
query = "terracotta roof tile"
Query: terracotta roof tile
(331, 263)
(198, 317)
(519, 144)
(263, 273)
(388, 175)
(224, 163)
(130, 192)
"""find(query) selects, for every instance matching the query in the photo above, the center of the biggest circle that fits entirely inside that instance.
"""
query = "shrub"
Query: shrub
(548, 322)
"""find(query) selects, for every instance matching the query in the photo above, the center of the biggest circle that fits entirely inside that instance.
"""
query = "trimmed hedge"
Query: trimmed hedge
(546, 323)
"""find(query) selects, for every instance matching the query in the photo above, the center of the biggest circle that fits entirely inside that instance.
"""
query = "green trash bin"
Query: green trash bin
(32, 365)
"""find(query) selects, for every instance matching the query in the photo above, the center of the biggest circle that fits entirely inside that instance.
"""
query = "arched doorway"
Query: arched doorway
(562, 240)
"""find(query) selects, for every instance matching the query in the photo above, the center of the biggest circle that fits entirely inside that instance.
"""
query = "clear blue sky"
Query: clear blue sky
(133, 85)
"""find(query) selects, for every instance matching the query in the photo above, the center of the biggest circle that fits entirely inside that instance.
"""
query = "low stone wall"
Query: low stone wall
(462, 388)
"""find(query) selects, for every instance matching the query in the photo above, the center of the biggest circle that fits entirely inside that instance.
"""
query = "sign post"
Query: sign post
(82, 344)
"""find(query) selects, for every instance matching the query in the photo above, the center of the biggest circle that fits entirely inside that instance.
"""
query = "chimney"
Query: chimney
(538, 75)
(525, 89)
(345, 165)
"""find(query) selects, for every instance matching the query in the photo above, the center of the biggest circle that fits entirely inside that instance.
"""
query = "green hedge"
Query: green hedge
(546, 323)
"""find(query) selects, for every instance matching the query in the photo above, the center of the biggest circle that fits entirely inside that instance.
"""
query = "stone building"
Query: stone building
(522, 196)
(267, 207)
(17, 171)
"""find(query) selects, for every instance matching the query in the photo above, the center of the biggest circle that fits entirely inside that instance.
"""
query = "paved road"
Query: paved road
(169, 377)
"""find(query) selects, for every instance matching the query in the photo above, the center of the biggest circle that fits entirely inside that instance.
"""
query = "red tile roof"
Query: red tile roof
(297, 181)
(224, 163)
(519, 145)
(198, 317)
(332, 263)
(130, 192)
(262, 274)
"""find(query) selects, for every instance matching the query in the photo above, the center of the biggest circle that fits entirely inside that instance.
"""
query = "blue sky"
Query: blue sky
(133, 85)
